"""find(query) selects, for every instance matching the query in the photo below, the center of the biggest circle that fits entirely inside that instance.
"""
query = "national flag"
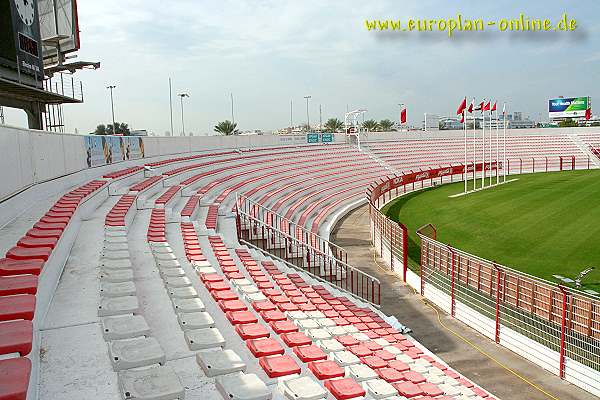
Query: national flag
(403, 115)
(494, 107)
(470, 109)
(588, 113)
(487, 106)
(462, 106)
(480, 106)
(462, 118)
(504, 108)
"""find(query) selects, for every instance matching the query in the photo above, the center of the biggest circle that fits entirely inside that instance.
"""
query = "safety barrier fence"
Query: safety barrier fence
(554, 326)
(262, 228)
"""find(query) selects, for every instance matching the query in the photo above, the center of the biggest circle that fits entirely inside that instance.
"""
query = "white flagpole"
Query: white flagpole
(497, 148)
(465, 167)
(483, 143)
(474, 153)
(504, 162)
(490, 160)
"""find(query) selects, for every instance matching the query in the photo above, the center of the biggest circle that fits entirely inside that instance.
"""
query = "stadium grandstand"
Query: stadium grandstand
(200, 268)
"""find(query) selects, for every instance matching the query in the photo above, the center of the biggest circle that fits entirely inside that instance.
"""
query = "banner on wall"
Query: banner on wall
(103, 150)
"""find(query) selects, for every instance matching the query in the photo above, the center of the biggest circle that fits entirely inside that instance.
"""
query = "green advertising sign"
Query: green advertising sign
(327, 138)
(312, 138)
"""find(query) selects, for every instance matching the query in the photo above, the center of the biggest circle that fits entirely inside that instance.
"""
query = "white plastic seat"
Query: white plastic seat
(116, 255)
(177, 282)
(318, 334)
(306, 324)
(361, 372)
(241, 282)
(118, 305)
(326, 322)
(115, 246)
(382, 342)
(405, 359)
(197, 320)
(240, 386)
(188, 305)
(117, 289)
(116, 275)
(154, 383)
(361, 337)
(350, 329)
(172, 272)
(165, 256)
(252, 297)
(206, 270)
(200, 339)
(115, 264)
(137, 352)
(344, 358)
(295, 315)
(124, 327)
(168, 263)
(246, 290)
(220, 362)
(315, 314)
(162, 249)
(302, 388)
(330, 345)
(337, 331)
(183, 293)
(449, 390)
(379, 389)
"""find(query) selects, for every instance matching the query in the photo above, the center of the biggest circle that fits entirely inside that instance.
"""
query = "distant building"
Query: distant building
(518, 116)
(139, 132)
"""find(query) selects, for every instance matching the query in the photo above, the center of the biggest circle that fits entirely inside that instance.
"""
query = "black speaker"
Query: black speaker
(20, 41)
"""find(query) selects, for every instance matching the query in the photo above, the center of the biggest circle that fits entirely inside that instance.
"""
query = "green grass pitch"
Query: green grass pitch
(542, 224)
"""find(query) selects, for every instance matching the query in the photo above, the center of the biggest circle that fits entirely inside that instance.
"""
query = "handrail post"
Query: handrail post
(497, 269)
(452, 296)
(563, 329)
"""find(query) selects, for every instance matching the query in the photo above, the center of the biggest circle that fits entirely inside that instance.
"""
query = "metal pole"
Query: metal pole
(490, 161)
(291, 113)
(497, 149)
(320, 119)
(465, 168)
(483, 147)
(171, 106)
(504, 161)
(112, 106)
(182, 119)
(474, 153)
(232, 116)
(307, 114)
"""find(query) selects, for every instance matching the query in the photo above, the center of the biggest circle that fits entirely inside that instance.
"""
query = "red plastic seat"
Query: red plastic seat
(284, 326)
(232, 305)
(40, 233)
(284, 307)
(374, 362)
(385, 355)
(17, 307)
(429, 389)
(281, 365)
(294, 339)
(326, 369)
(273, 315)
(217, 286)
(24, 253)
(16, 337)
(344, 388)
(252, 331)
(310, 353)
(398, 365)
(360, 350)
(390, 375)
(224, 295)
(14, 378)
(264, 347)
(408, 389)
(373, 346)
(14, 267)
(211, 278)
(264, 305)
(414, 377)
(50, 225)
(348, 340)
(307, 307)
(241, 317)
(20, 284)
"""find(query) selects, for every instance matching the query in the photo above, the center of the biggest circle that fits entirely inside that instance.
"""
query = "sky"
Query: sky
(268, 53)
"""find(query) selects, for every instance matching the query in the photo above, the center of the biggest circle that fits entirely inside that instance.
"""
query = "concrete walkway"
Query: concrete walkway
(398, 299)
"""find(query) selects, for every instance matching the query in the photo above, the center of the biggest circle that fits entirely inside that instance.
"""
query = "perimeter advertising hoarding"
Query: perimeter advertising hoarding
(103, 150)
(20, 47)
(568, 107)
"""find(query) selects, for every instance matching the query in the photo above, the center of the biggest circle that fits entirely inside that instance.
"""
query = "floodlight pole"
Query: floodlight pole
(171, 106)
(232, 116)
(182, 95)
(307, 114)
(112, 106)
(291, 114)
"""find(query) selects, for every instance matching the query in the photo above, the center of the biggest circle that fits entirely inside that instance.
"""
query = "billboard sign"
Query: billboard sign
(312, 138)
(58, 18)
(21, 46)
(103, 150)
(327, 137)
(568, 107)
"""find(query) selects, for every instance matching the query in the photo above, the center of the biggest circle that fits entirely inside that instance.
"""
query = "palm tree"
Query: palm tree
(333, 125)
(227, 128)
(386, 125)
(370, 125)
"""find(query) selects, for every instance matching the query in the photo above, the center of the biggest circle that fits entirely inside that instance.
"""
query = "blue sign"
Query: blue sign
(327, 138)
(312, 138)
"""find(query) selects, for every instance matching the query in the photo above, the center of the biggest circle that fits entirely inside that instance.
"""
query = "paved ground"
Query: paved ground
(352, 233)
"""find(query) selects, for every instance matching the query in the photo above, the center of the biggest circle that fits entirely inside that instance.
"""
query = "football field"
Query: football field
(542, 224)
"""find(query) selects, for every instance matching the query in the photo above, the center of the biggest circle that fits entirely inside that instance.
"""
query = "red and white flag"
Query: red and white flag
(403, 115)
(462, 106)
(588, 113)
(487, 106)
(493, 107)
(470, 109)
